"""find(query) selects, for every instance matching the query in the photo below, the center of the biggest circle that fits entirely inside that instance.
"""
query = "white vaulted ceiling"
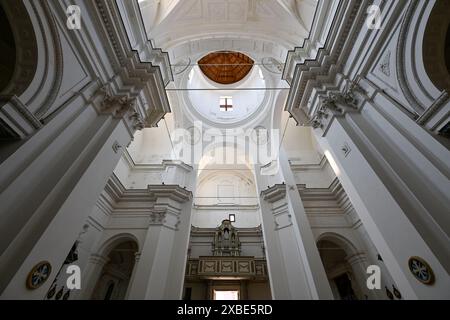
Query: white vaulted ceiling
(264, 30)
(172, 22)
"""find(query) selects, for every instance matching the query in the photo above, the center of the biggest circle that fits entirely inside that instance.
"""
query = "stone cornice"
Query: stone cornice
(173, 192)
(154, 166)
(309, 166)
(226, 207)
(337, 104)
(115, 192)
(323, 69)
(120, 107)
(325, 200)
(438, 104)
(313, 43)
(11, 107)
(274, 193)
(136, 77)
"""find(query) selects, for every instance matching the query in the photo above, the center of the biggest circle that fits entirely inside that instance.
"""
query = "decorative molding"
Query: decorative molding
(172, 192)
(356, 259)
(401, 63)
(331, 200)
(17, 117)
(236, 207)
(438, 104)
(385, 65)
(346, 149)
(218, 267)
(135, 76)
(98, 259)
(26, 47)
(56, 61)
(158, 217)
(314, 73)
(120, 106)
(116, 147)
(282, 217)
(139, 202)
(306, 167)
(152, 166)
(336, 104)
(209, 232)
(274, 193)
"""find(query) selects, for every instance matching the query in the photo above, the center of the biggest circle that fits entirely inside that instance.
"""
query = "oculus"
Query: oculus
(226, 67)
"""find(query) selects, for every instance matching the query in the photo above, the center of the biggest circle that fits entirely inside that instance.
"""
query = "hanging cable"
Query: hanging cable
(223, 64)
(170, 137)
(226, 89)
(284, 132)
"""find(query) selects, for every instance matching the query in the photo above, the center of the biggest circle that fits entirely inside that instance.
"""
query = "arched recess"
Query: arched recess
(415, 81)
(8, 49)
(37, 76)
(116, 275)
(338, 257)
(18, 63)
(15, 18)
(436, 45)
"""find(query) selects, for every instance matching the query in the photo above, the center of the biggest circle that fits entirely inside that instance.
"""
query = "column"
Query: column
(137, 257)
(161, 268)
(373, 259)
(295, 268)
(60, 171)
(358, 263)
(396, 189)
(92, 274)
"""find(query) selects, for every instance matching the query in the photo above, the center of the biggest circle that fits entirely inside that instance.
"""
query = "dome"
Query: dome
(209, 99)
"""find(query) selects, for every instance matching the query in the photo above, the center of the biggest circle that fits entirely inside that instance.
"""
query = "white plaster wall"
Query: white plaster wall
(315, 177)
(245, 103)
(211, 218)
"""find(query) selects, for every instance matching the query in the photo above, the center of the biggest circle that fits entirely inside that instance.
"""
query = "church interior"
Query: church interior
(225, 150)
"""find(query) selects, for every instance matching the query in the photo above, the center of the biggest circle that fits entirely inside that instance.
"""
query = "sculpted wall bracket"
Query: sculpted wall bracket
(120, 106)
(337, 104)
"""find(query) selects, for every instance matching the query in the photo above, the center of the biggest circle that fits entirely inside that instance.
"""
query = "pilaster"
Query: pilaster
(295, 268)
(160, 271)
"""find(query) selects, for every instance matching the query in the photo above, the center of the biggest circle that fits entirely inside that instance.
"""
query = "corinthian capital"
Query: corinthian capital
(117, 105)
(120, 107)
(336, 103)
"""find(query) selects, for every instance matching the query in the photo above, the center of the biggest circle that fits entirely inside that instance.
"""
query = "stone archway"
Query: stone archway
(115, 276)
(339, 258)
(436, 45)
(8, 48)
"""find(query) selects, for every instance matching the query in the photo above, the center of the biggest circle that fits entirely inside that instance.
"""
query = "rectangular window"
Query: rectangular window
(226, 104)
(226, 295)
